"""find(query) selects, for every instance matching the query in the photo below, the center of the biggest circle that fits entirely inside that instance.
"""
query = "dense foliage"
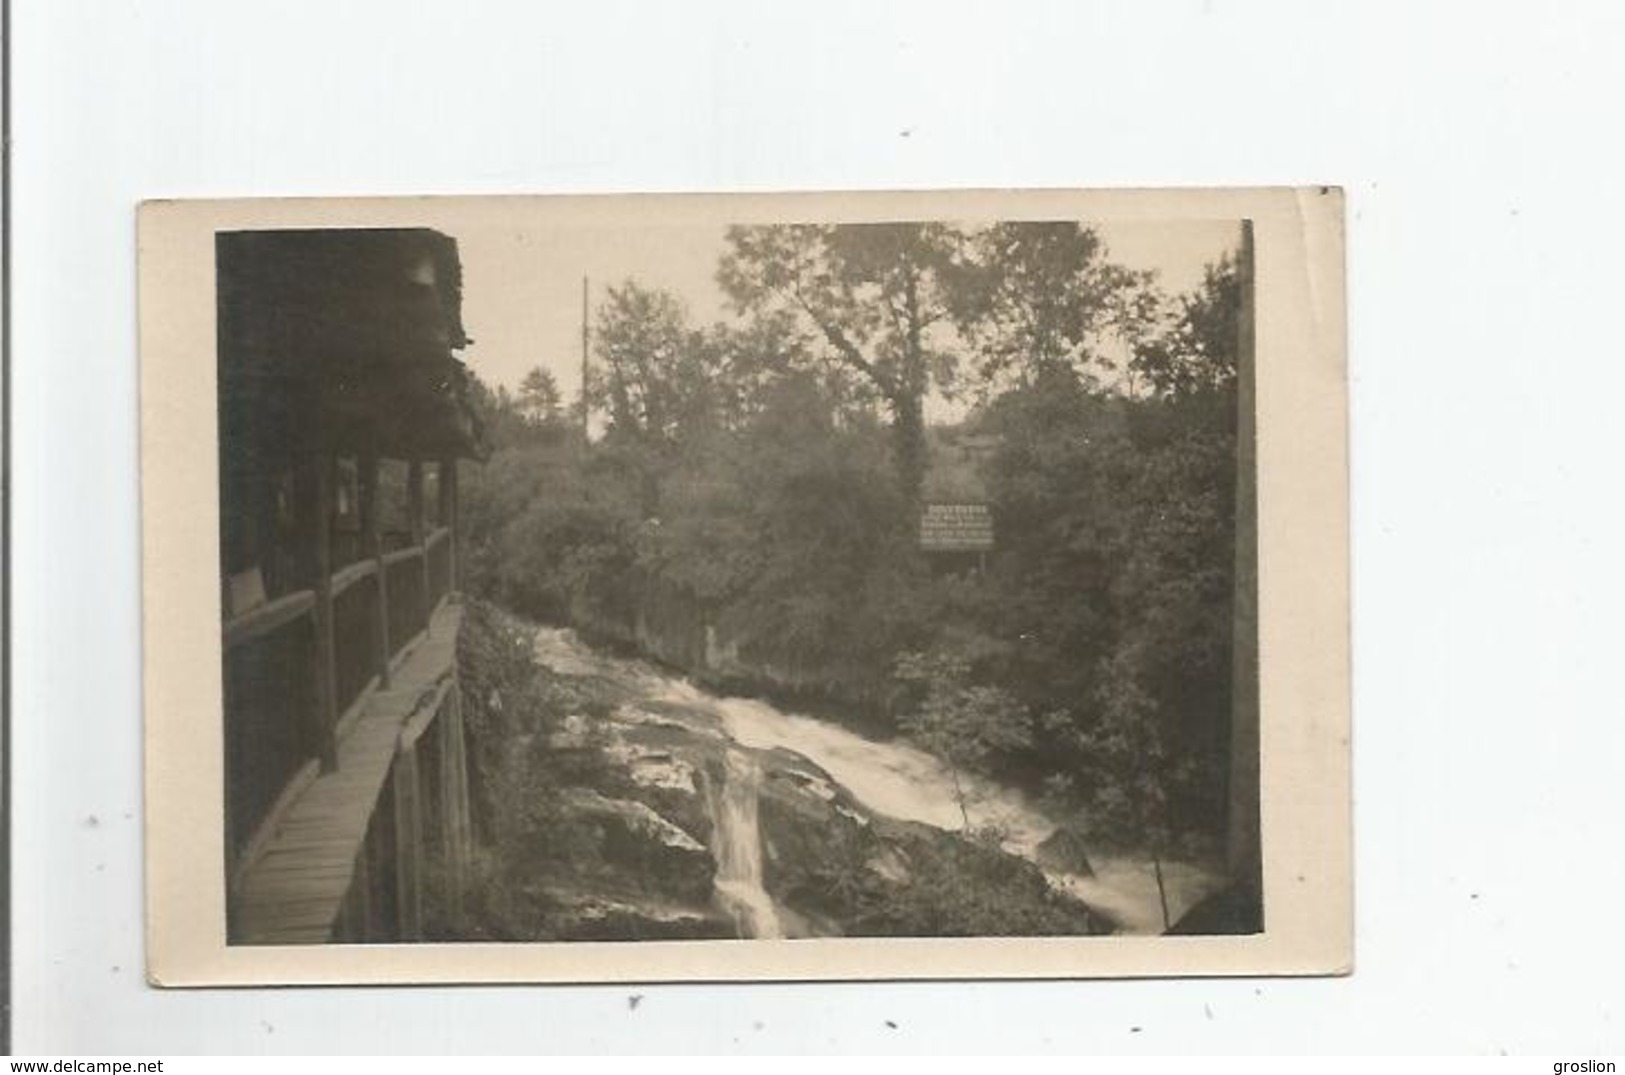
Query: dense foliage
(754, 487)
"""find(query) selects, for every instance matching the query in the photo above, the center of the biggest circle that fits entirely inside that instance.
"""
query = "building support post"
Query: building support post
(414, 513)
(448, 518)
(320, 505)
(373, 547)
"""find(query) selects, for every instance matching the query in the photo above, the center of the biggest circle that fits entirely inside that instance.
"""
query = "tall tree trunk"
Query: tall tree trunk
(908, 445)
(908, 402)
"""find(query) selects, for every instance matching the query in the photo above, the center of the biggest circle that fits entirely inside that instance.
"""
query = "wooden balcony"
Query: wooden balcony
(347, 855)
(318, 685)
(276, 731)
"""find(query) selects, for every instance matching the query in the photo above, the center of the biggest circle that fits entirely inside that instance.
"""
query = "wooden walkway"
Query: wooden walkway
(295, 889)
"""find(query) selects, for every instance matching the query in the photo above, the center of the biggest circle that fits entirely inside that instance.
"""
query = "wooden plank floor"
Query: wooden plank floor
(293, 892)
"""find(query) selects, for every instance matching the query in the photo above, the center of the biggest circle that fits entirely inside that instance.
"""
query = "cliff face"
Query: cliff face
(592, 827)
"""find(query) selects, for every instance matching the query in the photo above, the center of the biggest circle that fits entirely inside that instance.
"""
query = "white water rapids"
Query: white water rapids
(890, 778)
(739, 849)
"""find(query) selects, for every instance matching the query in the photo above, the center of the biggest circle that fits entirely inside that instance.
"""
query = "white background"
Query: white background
(1479, 145)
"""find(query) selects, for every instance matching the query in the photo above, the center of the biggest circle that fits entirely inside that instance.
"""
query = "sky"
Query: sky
(522, 280)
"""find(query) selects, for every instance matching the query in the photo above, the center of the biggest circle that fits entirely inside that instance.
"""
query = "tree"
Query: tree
(758, 477)
(657, 379)
(539, 399)
(822, 544)
(1036, 297)
(649, 370)
(1196, 354)
(749, 358)
(1120, 570)
(874, 292)
(957, 719)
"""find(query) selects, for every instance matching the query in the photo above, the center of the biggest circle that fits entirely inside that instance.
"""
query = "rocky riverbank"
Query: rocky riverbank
(609, 806)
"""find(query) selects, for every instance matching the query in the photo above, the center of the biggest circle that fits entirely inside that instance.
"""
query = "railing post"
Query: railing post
(453, 799)
(373, 546)
(465, 822)
(320, 507)
(365, 928)
(414, 511)
(408, 845)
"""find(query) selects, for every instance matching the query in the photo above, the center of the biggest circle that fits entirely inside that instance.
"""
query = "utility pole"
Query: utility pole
(586, 334)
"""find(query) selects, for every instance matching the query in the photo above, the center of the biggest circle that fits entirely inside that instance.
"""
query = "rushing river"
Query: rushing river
(890, 778)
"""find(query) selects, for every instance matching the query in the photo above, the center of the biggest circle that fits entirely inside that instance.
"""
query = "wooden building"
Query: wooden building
(343, 416)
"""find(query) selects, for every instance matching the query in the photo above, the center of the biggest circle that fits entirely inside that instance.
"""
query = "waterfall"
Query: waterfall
(894, 779)
(738, 848)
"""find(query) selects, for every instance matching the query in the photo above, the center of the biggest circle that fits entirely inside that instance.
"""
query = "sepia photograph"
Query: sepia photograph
(599, 579)
(795, 529)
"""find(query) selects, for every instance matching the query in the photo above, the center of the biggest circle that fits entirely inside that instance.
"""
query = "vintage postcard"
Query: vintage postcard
(812, 586)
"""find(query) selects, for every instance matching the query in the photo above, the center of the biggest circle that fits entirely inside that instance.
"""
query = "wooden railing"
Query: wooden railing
(277, 721)
(408, 596)
(268, 617)
(438, 556)
(356, 641)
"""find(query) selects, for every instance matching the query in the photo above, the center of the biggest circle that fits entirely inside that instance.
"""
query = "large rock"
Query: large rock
(1065, 851)
(815, 837)
(580, 916)
(1235, 909)
(652, 768)
(636, 839)
(574, 732)
(660, 765)
(869, 875)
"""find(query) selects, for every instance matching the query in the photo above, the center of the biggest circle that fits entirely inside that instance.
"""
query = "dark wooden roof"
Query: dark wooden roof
(344, 338)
